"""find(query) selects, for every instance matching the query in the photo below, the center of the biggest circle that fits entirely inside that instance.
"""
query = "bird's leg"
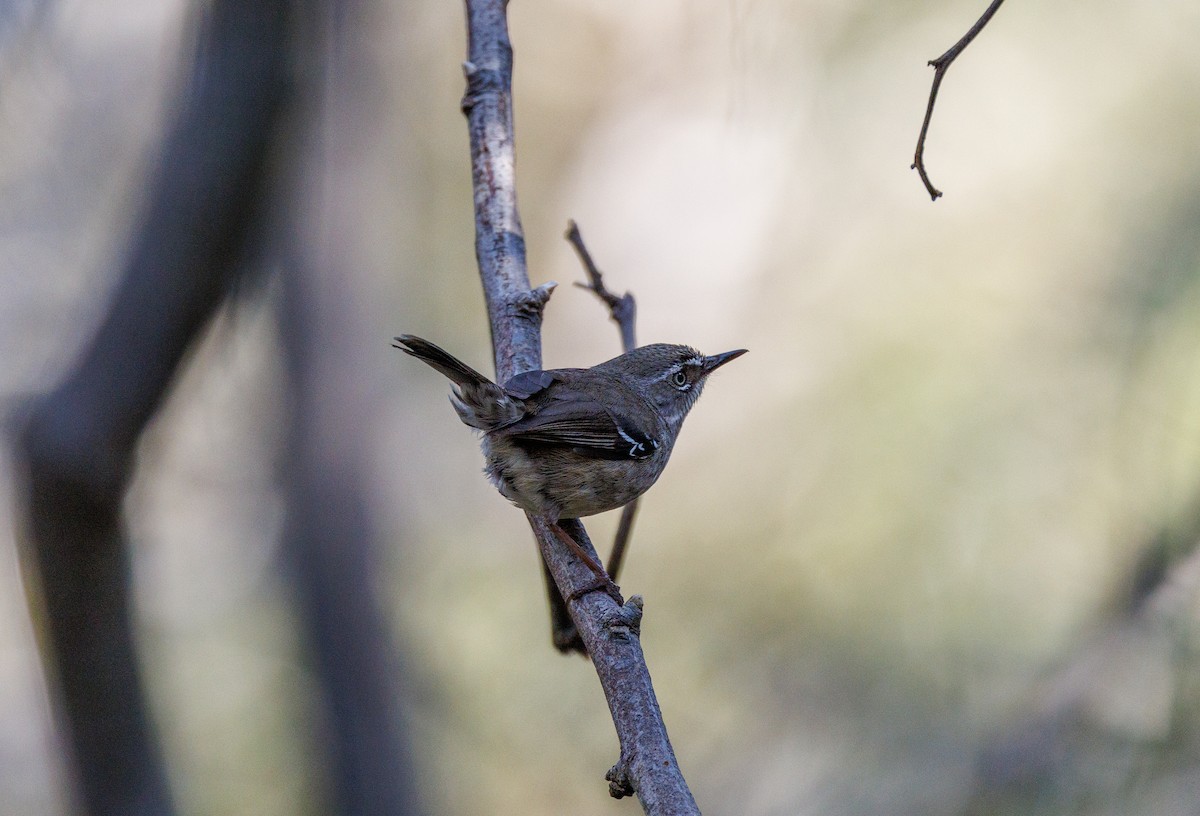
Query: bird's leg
(602, 580)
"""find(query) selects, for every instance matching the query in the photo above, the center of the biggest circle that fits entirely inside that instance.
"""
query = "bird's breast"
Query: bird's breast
(563, 484)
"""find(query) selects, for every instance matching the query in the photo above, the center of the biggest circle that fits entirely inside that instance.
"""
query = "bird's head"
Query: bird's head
(669, 377)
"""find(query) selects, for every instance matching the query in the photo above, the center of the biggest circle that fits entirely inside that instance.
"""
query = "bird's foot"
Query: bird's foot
(598, 584)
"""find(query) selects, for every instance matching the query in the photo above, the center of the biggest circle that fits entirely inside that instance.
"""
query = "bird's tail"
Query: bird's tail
(479, 402)
(440, 359)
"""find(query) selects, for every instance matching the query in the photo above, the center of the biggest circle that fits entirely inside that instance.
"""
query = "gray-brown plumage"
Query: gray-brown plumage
(573, 442)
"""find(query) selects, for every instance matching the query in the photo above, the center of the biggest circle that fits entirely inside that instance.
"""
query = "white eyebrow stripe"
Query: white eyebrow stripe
(696, 362)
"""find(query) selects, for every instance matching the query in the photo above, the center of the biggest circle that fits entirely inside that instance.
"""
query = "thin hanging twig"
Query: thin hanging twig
(940, 66)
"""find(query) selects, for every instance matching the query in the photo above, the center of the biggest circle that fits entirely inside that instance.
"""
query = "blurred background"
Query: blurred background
(924, 550)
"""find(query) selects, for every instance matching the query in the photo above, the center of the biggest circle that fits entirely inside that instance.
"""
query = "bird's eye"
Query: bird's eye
(679, 379)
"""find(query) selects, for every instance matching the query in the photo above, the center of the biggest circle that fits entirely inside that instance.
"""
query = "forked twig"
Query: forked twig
(623, 309)
(940, 66)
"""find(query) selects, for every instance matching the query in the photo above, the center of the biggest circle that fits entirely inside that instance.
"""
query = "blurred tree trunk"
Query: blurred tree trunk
(331, 538)
(202, 226)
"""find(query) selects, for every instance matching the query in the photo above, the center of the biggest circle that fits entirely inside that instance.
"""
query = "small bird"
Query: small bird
(572, 442)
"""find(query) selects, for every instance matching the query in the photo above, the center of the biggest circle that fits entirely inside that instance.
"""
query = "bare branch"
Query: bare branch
(940, 66)
(609, 631)
(647, 764)
(623, 309)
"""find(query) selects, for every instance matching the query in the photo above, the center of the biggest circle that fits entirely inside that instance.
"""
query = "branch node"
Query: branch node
(480, 81)
(531, 304)
(619, 783)
(625, 620)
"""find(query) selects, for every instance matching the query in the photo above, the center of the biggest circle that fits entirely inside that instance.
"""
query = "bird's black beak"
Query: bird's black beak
(715, 361)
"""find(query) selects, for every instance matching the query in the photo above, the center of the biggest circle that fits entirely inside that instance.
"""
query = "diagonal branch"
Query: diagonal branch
(940, 66)
(647, 764)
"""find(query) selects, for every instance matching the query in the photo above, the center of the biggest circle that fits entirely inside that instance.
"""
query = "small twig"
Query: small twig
(621, 539)
(940, 66)
(623, 309)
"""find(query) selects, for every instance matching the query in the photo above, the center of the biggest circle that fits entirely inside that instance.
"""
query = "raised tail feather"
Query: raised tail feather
(479, 402)
(440, 359)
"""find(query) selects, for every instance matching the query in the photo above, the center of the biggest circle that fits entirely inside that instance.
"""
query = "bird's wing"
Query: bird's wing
(528, 383)
(576, 421)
